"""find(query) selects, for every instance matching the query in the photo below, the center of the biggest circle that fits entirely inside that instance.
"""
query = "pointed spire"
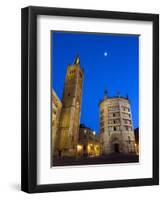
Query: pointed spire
(106, 94)
(77, 60)
(127, 96)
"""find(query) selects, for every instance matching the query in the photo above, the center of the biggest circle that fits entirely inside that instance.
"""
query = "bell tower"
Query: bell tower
(67, 135)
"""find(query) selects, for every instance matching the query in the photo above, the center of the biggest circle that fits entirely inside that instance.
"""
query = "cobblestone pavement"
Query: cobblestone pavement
(107, 159)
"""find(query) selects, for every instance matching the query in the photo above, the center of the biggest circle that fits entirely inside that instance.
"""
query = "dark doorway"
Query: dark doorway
(116, 148)
(59, 153)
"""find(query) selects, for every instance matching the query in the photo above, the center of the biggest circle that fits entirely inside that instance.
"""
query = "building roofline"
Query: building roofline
(113, 97)
(84, 126)
(55, 94)
(81, 68)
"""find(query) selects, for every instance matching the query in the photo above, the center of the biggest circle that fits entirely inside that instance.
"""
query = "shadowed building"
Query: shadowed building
(67, 134)
(136, 132)
(89, 143)
(56, 111)
(116, 128)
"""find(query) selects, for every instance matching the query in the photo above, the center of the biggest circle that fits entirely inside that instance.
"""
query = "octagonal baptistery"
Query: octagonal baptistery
(116, 127)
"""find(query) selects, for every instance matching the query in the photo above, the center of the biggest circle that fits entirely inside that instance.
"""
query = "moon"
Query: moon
(105, 53)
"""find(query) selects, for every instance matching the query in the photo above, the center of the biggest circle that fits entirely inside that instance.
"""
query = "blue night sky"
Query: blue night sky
(110, 62)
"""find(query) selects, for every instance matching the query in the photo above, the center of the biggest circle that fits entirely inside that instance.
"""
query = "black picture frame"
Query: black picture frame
(29, 99)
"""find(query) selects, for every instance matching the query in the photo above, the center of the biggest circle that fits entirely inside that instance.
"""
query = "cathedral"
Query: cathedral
(69, 138)
(68, 128)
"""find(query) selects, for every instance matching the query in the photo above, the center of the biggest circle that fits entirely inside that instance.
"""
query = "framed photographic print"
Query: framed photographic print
(90, 99)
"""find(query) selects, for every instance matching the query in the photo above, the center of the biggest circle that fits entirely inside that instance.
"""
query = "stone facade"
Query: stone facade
(56, 111)
(68, 131)
(116, 128)
(89, 143)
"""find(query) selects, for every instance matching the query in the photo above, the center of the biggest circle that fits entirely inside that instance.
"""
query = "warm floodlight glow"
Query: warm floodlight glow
(79, 147)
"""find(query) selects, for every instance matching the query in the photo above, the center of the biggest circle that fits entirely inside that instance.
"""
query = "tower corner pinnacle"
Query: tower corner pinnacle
(106, 94)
